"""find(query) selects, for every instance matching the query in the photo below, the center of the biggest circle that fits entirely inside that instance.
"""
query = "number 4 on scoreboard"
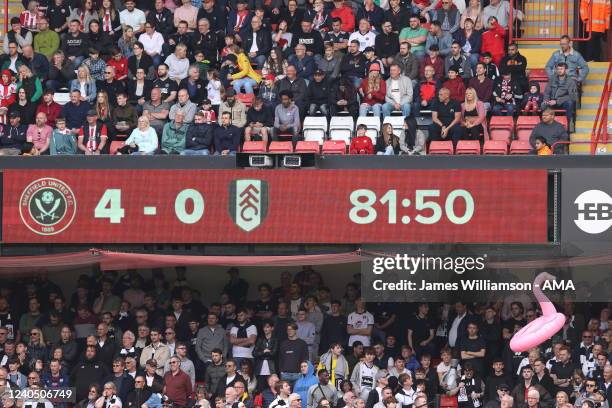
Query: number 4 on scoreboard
(109, 206)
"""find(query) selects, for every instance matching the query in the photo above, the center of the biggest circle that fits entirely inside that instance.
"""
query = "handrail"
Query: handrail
(600, 126)
(6, 17)
(568, 142)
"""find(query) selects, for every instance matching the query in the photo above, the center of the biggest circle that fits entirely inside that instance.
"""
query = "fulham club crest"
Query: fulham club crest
(47, 206)
(248, 203)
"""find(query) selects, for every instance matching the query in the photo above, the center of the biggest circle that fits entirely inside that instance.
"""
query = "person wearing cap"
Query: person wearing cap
(469, 388)
(373, 90)
(267, 92)
(39, 134)
(386, 44)
(364, 35)
(318, 94)
(93, 135)
(303, 63)
(235, 108)
(497, 395)
(437, 36)
(13, 136)
(309, 38)
(399, 92)
(46, 41)
(239, 20)
(18, 35)
(257, 42)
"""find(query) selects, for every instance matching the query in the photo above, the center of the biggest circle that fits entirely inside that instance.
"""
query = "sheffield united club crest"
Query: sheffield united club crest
(47, 206)
(248, 203)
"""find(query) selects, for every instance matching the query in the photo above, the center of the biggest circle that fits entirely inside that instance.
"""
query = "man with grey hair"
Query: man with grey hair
(184, 104)
(175, 133)
(295, 400)
(128, 341)
(507, 401)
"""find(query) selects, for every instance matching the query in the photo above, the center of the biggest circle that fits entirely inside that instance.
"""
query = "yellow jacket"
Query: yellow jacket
(246, 70)
(600, 17)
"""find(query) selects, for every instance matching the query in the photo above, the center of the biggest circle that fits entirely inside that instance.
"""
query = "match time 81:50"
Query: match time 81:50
(54, 394)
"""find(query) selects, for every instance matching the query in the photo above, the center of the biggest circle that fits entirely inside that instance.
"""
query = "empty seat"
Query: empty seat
(504, 135)
(468, 147)
(341, 128)
(495, 147)
(280, 147)
(309, 146)
(562, 120)
(61, 98)
(527, 122)
(334, 147)
(246, 99)
(315, 128)
(441, 147)
(520, 147)
(524, 134)
(501, 122)
(373, 125)
(254, 147)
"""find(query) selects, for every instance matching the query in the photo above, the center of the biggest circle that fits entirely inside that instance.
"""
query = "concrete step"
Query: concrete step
(596, 76)
(584, 149)
(603, 65)
(593, 100)
(593, 88)
(583, 125)
(537, 57)
(580, 137)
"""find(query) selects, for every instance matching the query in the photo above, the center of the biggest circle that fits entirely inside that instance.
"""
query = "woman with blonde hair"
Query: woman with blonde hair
(373, 91)
(37, 348)
(85, 84)
(109, 398)
(30, 83)
(474, 12)
(127, 41)
(246, 77)
(387, 143)
(143, 138)
(473, 117)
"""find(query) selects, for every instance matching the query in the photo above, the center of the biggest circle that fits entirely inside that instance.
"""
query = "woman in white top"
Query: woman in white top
(109, 398)
(214, 87)
(144, 136)
(153, 42)
(178, 63)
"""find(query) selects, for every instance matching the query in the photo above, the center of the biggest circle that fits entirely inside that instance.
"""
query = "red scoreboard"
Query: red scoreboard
(284, 206)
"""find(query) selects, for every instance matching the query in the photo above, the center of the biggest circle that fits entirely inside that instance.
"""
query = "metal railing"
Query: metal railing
(543, 16)
(599, 134)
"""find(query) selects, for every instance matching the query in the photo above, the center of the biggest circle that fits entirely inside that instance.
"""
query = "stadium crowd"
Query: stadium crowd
(199, 77)
(123, 341)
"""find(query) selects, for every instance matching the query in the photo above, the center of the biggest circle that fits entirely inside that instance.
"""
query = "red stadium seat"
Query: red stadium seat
(527, 122)
(334, 147)
(520, 147)
(116, 145)
(495, 147)
(468, 147)
(254, 147)
(523, 134)
(307, 147)
(246, 99)
(441, 147)
(502, 122)
(281, 147)
(504, 135)
(562, 120)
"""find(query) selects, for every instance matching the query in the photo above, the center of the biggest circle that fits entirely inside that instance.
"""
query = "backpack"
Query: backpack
(361, 145)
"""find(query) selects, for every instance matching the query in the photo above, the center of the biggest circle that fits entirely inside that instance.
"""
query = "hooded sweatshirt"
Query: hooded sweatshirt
(303, 384)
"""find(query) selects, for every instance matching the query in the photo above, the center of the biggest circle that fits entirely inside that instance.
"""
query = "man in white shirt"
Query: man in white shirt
(132, 17)
(364, 35)
(152, 42)
(360, 324)
(242, 337)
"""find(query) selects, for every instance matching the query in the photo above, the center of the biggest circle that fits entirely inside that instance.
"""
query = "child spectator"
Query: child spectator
(533, 99)
(542, 146)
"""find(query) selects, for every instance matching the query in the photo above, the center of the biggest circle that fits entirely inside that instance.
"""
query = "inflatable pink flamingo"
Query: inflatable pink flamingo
(542, 328)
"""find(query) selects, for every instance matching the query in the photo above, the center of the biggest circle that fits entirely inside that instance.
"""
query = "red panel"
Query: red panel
(305, 206)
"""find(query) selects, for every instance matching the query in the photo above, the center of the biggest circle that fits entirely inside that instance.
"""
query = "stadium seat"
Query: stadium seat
(341, 128)
(315, 128)
(562, 120)
(468, 147)
(501, 122)
(441, 147)
(495, 147)
(246, 99)
(116, 145)
(254, 147)
(334, 147)
(504, 135)
(520, 147)
(310, 146)
(373, 124)
(61, 98)
(281, 147)
(398, 125)
(524, 126)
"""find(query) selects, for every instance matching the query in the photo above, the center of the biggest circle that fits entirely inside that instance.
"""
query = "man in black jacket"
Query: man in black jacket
(139, 395)
(259, 119)
(353, 64)
(291, 354)
(199, 139)
(195, 86)
(162, 19)
(88, 371)
(257, 42)
(13, 136)
(386, 44)
(515, 63)
(311, 39)
(122, 380)
(318, 94)
(205, 40)
(74, 43)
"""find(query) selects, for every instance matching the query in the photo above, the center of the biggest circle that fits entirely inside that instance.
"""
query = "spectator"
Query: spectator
(408, 63)
(473, 114)
(448, 16)
(124, 118)
(31, 85)
(75, 111)
(143, 139)
(84, 15)
(493, 39)
(227, 135)
(184, 104)
(473, 12)
(459, 61)
(416, 36)
(399, 92)
(491, 68)
(91, 141)
(187, 13)
(286, 118)
(239, 20)
(330, 63)
(297, 86)
(88, 371)
(195, 86)
(533, 99)
(439, 38)
(552, 131)
(126, 42)
(517, 65)
(132, 17)
(364, 35)
(245, 77)
(39, 134)
(257, 42)
(387, 143)
(109, 20)
(112, 86)
(234, 107)
(62, 141)
(305, 381)
(12, 60)
(386, 44)
(311, 40)
(152, 42)
(85, 84)
(215, 371)
(304, 64)
(398, 16)
(46, 41)
(99, 39)
(561, 92)
(507, 94)
(318, 94)
(156, 351)
(178, 63)
(343, 98)
(17, 35)
(364, 374)
(178, 386)
(345, 14)
(446, 117)
(482, 85)
(259, 120)
(500, 9)
(199, 141)
(336, 36)
(455, 84)
(470, 41)
(353, 64)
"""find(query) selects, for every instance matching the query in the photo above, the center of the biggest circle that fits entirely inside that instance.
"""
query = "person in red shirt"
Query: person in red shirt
(178, 384)
(8, 91)
(493, 40)
(428, 90)
(344, 13)
(93, 135)
(433, 59)
(373, 91)
(119, 62)
(455, 85)
(49, 107)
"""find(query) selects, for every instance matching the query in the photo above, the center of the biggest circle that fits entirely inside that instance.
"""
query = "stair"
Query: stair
(585, 116)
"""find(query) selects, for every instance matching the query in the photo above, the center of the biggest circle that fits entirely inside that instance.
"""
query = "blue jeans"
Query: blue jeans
(260, 60)
(190, 152)
(231, 153)
(77, 61)
(387, 108)
(291, 378)
(497, 109)
(474, 58)
(364, 108)
(157, 59)
(247, 83)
